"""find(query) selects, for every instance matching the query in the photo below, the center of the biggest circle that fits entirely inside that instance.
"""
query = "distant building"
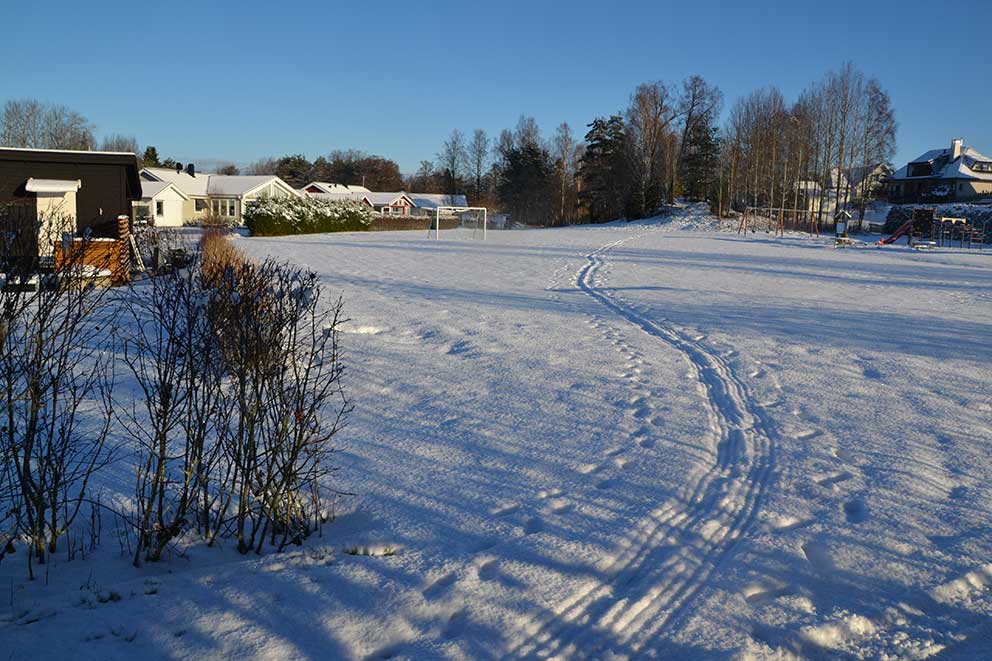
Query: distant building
(388, 204)
(942, 175)
(427, 203)
(861, 183)
(325, 188)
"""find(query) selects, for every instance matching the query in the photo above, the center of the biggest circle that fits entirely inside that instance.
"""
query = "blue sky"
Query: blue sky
(243, 80)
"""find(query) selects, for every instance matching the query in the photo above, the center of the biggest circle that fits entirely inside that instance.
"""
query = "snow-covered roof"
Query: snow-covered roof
(191, 185)
(327, 187)
(945, 168)
(52, 185)
(149, 189)
(435, 200)
(331, 191)
(71, 151)
(338, 197)
(204, 184)
(221, 184)
(386, 199)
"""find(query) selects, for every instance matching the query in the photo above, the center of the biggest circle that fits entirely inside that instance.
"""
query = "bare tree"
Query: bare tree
(478, 156)
(699, 102)
(563, 151)
(527, 133)
(267, 165)
(649, 118)
(120, 142)
(32, 124)
(452, 159)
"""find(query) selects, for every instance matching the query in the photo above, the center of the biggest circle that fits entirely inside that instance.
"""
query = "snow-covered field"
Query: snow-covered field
(631, 440)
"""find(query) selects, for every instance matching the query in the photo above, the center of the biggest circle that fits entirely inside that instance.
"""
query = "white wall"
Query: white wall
(172, 209)
(57, 214)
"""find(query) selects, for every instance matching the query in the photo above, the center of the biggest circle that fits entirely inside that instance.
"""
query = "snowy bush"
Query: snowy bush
(304, 215)
(238, 365)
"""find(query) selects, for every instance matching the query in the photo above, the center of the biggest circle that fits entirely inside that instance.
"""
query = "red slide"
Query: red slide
(906, 227)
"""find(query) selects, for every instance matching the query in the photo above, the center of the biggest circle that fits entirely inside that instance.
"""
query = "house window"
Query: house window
(201, 206)
(159, 208)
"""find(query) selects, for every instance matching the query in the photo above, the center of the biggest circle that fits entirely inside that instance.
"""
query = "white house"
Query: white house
(218, 195)
(161, 204)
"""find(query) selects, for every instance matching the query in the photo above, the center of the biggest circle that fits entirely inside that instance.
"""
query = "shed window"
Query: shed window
(159, 207)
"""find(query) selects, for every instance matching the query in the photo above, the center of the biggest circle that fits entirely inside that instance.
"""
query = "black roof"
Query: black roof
(127, 160)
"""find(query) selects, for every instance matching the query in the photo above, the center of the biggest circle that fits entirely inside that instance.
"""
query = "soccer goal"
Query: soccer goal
(474, 217)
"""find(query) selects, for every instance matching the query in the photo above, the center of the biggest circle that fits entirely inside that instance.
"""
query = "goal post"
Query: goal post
(457, 210)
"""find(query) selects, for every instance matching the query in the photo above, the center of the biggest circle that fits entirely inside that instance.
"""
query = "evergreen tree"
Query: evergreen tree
(526, 183)
(294, 170)
(150, 158)
(603, 170)
(700, 160)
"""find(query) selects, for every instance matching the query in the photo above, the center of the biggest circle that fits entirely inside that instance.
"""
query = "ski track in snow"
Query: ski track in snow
(651, 582)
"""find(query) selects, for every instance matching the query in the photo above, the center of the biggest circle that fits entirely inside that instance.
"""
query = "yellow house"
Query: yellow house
(217, 196)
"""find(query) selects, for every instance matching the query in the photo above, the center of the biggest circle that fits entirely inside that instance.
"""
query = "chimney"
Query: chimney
(956, 145)
(179, 168)
(191, 169)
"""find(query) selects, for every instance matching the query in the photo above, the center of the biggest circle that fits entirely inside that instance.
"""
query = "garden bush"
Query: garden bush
(296, 215)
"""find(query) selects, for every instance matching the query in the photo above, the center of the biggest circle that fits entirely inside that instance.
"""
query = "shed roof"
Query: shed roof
(126, 160)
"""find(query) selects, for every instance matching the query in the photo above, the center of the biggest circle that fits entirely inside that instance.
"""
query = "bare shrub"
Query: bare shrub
(171, 351)
(55, 389)
(218, 255)
(240, 373)
(283, 365)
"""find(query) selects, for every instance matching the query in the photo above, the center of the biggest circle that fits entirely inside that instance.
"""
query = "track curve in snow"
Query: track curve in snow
(671, 554)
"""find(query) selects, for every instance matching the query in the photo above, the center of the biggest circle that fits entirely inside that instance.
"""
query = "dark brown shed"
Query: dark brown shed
(108, 182)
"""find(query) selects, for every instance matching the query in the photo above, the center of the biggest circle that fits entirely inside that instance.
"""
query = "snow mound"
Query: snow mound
(693, 217)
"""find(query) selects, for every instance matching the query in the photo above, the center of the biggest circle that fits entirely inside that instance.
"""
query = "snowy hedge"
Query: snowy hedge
(304, 215)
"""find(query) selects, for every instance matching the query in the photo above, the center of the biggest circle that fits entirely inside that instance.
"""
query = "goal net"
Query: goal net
(473, 218)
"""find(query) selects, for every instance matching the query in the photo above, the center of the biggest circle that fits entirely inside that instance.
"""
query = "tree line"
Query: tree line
(667, 143)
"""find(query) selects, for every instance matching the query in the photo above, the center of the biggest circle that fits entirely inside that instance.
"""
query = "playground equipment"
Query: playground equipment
(926, 231)
(778, 220)
(905, 228)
